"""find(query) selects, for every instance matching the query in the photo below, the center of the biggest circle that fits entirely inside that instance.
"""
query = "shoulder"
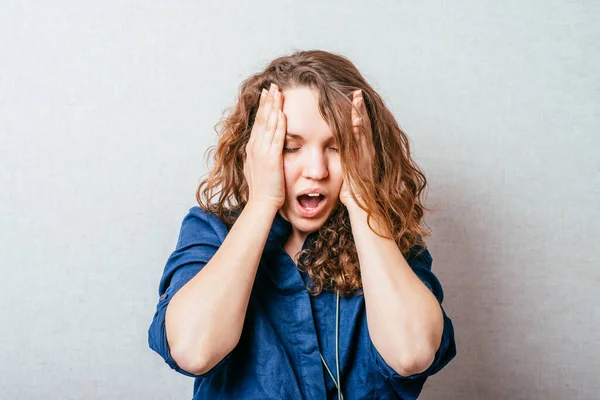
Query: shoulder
(420, 254)
(200, 224)
(197, 213)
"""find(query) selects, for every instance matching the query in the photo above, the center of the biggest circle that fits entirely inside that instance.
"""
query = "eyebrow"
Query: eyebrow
(297, 136)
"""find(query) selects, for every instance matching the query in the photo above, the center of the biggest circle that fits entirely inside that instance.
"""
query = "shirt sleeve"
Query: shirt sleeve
(200, 236)
(420, 261)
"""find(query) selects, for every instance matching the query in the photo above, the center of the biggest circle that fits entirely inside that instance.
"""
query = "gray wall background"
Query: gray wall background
(106, 109)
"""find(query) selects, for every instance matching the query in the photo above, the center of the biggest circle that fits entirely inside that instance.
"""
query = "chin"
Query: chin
(307, 226)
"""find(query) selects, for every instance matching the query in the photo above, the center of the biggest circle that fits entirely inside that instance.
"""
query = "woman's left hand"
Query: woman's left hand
(359, 117)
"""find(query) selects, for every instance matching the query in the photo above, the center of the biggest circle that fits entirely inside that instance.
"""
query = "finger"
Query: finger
(263, 97)
(262, 115)
(247, 175)
(258, 117)
(247, 153)
(356, 111)
(273, 89)
(278, 101)
(267, 136)
(359, 101)
(279, 136)
(265, 111)
(272, 120)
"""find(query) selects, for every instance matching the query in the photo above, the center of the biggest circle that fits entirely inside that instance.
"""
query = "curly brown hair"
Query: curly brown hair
(390, 192)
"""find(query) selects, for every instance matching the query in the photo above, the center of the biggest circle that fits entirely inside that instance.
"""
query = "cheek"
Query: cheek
(335, 172)
(290, 173)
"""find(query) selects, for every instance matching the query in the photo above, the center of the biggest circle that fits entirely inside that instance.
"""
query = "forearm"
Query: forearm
(404, 318)
(204, 319)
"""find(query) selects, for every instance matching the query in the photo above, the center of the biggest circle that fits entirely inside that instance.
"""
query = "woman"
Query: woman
(303, 273)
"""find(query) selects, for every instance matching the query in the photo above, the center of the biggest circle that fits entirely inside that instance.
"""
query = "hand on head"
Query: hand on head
(263, 164)
(360, 118)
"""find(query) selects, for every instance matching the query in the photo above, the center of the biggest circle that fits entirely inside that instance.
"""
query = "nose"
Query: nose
(315, 165)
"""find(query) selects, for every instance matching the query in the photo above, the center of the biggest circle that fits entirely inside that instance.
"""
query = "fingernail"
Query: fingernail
(263, 93)
(272, 88)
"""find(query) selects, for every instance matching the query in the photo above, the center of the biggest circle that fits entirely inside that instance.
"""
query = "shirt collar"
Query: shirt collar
(279, 233)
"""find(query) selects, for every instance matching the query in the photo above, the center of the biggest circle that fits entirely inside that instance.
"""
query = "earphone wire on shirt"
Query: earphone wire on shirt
(338, 383)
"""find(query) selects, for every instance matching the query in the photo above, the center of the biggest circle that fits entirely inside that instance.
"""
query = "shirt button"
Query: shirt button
(163, 296)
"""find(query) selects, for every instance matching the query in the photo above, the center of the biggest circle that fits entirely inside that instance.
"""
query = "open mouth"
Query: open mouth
(310, 204)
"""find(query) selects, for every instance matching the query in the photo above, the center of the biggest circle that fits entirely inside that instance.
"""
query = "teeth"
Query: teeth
(313, 194)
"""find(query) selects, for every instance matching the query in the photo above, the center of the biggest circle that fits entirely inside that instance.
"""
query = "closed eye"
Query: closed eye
(295, 149)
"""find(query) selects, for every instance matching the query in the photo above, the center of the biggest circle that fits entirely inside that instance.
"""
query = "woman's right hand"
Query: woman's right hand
(263, 164)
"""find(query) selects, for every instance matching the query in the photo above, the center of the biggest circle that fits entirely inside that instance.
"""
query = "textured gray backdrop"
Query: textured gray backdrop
(106, 109)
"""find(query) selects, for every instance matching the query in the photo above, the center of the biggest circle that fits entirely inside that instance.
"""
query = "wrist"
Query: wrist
(263, 208)
(354, 209)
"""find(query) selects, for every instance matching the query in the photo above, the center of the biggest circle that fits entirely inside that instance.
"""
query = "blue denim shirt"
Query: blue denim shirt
(286, 329)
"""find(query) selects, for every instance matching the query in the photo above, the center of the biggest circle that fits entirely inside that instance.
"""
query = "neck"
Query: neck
(294, 244)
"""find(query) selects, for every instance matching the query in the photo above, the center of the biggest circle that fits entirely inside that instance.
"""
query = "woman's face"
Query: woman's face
(311, 164)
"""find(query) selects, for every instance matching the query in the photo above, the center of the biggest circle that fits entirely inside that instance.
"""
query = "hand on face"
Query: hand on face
(359, 117)
(263, 164)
